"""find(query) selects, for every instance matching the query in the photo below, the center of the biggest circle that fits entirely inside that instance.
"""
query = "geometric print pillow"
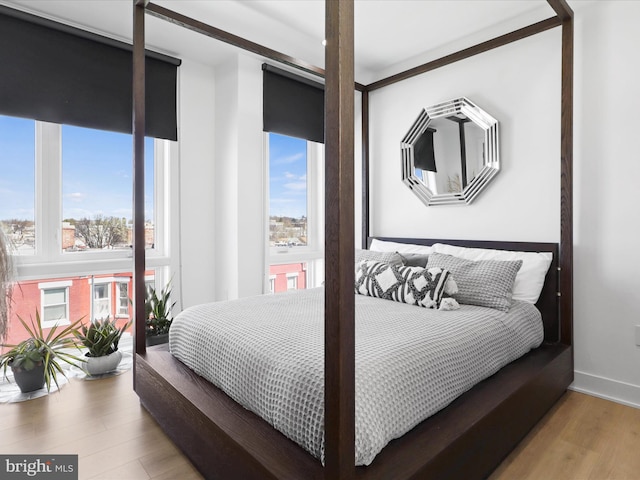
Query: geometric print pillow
(413, 285)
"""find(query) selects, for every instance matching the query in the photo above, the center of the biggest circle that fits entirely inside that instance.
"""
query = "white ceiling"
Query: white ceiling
(390, 35)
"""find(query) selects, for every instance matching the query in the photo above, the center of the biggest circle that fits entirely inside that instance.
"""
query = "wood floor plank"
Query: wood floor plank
(131, 470)
(166, 459)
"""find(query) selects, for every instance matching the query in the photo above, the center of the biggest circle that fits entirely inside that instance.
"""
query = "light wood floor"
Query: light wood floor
(103, 423)
(581, 438)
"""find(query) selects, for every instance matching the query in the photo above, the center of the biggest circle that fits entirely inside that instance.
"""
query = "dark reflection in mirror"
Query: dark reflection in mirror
(449, 154)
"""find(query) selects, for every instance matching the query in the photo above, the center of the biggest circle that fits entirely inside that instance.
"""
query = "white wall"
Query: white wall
(239, 212)
(196, 176)
(519, 85)
(606, 219)
(250, 163)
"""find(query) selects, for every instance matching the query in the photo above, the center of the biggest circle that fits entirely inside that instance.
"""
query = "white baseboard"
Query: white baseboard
(616, 391)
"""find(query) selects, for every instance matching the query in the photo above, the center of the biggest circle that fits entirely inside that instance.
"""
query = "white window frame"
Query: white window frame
(313, 253)
(122, 311)
(106, 300)
(93, 281)
(49, 260)
(292, 279)
(46, 286)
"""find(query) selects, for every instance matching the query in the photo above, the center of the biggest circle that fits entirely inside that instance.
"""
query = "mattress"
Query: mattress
(267, 353)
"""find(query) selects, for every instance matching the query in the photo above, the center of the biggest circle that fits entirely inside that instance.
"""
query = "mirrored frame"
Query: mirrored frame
(417, 181)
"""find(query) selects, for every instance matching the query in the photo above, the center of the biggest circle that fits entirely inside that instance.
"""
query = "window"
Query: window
(56, 175)
(17, 183)
(292, 281)
(295, 214)
(55, 303)
(75, 201)
(101, 302)
(123, 298)
(97, 190)
(287, 191)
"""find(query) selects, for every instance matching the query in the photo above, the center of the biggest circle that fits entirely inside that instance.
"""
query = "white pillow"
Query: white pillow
(530, 277)
(385, 246)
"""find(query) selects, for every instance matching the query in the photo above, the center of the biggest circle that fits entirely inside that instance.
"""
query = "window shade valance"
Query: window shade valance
(57, 73)
(292, 105)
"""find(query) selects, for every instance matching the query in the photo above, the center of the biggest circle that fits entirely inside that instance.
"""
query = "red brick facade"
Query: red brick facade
(28, 297)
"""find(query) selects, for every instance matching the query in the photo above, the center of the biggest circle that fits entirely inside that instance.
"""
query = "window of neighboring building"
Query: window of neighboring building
(54, 303)
(123, 298)
(295, 195)
(101, 301)
(292, 281)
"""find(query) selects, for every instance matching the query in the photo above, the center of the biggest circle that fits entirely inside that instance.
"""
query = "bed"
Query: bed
(469, 437)
(410, 361)
(453, 443)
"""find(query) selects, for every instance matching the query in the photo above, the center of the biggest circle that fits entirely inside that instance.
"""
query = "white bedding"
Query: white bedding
(267, 354)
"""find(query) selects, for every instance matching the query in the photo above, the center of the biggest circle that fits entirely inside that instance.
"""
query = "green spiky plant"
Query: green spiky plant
(158, 311)
(101, 337)
(44, 349)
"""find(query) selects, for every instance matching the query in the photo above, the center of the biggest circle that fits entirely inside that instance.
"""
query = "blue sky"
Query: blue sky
(17, 152)
(287, 176)
(96, 172)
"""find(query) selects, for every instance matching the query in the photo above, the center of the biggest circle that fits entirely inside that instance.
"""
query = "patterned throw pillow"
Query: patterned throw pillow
(487, 283)
(412, 285)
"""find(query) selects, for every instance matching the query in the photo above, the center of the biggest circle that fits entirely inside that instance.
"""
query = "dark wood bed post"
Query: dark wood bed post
(365, 169)
(565, 14)
(138, 176)
(339, 300)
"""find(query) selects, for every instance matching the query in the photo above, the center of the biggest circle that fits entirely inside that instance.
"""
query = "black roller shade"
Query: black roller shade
(292, 105)
(60, 74)
(423, 155)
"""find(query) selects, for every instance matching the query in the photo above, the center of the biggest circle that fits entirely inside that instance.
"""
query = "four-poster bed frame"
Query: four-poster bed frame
(465, 440)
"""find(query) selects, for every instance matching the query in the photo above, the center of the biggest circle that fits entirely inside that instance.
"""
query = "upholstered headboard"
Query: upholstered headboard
(548, 303)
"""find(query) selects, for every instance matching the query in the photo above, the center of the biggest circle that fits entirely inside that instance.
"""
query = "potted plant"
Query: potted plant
(36, 361)
(101, 337)
(158, 315)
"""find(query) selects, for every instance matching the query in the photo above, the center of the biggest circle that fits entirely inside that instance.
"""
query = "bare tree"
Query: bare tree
(101, 232)
(18, 232)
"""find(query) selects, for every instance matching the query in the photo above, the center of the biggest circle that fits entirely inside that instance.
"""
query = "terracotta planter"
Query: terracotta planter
(157, 339)
(104, 364)
(29, 380)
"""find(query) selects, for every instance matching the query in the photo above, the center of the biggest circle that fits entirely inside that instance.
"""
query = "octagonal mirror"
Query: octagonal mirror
(450, 153)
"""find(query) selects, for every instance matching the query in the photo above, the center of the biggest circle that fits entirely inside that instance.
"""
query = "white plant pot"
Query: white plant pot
(104, 364)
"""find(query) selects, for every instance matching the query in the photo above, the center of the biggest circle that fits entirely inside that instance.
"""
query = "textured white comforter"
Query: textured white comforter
(267, 354)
